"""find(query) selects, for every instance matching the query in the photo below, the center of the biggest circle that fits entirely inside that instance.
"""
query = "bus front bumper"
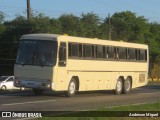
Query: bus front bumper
(41, 84)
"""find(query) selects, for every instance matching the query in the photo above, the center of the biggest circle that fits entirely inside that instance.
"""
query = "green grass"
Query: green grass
(142, 107)
(80, 116)
(99, 118)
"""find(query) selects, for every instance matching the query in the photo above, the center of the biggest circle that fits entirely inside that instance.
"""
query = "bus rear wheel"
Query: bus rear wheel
(119, 86)
(38, 91)
(72, 87)
(127, 86)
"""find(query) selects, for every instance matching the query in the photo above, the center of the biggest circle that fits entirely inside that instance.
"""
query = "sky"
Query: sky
(150, 9)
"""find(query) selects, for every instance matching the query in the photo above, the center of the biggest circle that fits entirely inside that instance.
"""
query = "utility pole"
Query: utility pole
(28, 10)
(109, 27)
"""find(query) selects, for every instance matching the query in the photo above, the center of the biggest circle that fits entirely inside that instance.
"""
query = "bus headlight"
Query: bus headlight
(46, 85)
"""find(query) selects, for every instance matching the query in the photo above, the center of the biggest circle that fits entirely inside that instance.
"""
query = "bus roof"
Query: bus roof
(40, 36)
(83, 40)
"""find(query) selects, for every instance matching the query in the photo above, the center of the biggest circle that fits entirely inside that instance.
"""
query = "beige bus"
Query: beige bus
(72, 64)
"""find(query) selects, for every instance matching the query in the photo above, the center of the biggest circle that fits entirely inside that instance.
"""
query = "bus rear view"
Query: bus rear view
(35, 63)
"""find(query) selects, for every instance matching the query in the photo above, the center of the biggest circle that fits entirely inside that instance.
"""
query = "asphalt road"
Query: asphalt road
(27, 101)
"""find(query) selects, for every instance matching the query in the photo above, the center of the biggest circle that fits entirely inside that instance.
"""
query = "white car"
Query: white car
(6, 83)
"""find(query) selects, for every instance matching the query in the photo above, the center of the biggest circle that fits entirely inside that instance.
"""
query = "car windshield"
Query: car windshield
(37, 52)
(3, 78)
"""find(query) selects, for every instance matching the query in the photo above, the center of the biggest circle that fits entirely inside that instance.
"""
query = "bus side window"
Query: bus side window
(111, 52)
(62, 54)
(142, 55)
(106, 52)
(87, 51)
(131, 54)
(137, 54)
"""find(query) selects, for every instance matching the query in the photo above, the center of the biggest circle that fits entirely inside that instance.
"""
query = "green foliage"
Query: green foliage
(90, 23)
(2, 16)
(70, 24)
(122, 24)
(86, 26)
(125, 26)
(155, 69)
(40, 24)
(104, 114)
(2, 27)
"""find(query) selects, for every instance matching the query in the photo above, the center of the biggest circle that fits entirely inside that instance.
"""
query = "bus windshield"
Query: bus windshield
(37, 52)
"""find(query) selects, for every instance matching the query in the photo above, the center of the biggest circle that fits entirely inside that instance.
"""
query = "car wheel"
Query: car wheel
(119, 86)
(71, 88)
(3, 87)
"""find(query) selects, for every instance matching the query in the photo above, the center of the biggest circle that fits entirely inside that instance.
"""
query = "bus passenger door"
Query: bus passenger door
(62, 72)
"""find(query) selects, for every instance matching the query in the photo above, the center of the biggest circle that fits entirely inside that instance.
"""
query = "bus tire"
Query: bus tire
(38, 91)
(127, 86)
(72, 87)
(119, 86)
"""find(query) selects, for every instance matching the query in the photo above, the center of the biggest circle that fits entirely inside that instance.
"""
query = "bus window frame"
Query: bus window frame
(62, 54)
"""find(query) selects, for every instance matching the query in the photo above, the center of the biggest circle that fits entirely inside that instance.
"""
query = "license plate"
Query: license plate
(30, 84)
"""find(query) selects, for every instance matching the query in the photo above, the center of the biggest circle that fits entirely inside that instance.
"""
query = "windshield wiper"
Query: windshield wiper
(41, 63)
(23, 64)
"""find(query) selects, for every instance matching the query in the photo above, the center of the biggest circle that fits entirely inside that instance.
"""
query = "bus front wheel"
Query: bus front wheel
(119, 86)
(71, 88)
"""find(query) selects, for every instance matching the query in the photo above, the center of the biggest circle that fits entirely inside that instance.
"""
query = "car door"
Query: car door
(9, 83)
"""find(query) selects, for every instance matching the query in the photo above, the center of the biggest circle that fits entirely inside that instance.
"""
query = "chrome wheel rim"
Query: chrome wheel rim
(119, 86)
(72, 88)
(127, 85)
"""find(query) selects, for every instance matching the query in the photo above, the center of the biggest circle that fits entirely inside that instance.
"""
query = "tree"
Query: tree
(41, 24)
(2, 27)
(141, 30)
(104, 29)
(70, 24)
(122, 25)
(155, 30)
(56, 26)
(2, 16)
(90, 25)
(155, 69)
(127, 26)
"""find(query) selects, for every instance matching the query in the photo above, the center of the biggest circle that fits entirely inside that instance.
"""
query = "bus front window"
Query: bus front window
(26, 52)
(45, 53)
(40, 53)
